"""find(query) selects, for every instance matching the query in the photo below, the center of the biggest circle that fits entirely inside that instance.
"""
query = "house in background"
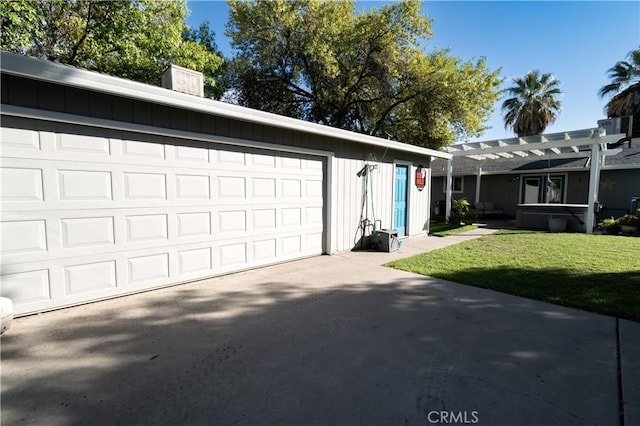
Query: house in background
(110, 186)
(560, 178)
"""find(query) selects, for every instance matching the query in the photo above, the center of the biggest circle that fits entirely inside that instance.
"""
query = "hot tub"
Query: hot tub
(536, 216)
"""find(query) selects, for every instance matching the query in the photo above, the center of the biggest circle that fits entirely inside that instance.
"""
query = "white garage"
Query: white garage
(110, 187)
(88, 216)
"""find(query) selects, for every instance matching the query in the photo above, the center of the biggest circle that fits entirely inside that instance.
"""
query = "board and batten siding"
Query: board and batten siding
(350, 191)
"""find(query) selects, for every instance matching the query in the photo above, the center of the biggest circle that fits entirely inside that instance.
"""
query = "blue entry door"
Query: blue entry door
(400, 199)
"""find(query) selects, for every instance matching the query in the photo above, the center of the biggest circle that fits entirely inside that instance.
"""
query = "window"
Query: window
(457, 184)
(543, 189)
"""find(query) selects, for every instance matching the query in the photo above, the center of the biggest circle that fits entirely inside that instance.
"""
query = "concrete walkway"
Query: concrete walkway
(329, 340)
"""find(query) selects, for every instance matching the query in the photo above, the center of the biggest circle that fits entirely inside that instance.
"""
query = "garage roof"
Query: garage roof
(37, 69)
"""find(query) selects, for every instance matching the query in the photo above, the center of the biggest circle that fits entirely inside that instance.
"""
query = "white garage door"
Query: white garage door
(86, 215)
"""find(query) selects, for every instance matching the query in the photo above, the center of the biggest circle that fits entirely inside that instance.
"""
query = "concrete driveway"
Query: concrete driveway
(331, 340)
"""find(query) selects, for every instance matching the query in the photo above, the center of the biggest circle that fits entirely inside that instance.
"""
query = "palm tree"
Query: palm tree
(624, 89)
(534, 104)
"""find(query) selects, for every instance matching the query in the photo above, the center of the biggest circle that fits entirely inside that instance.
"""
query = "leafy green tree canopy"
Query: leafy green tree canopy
(134, 39)
(534, 104)
(624, 90)
(322, 61)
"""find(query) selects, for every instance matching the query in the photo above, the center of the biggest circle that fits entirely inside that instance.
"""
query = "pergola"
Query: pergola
(587, 142)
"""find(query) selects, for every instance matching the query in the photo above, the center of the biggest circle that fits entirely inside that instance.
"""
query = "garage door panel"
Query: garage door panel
(264, 250)
(22, 237)
(193, 186)
(149, 268)
(231, 187)
(140, 149)
(313, 188)
(291, 216)
(147, 227)
(88, 277)
(263, 161)
(191, 154)
(28, 287)
(91, 217)
(194, 224)
(87, 232)
(264, 219)
(290, 188)
(21, 184)
(312, 242)
(195, 261)
(84, 144)
(84, 185)
(15, 140)
(313, 215)
(232, 221)
(145, 186)
(290, 163)
(229, 158)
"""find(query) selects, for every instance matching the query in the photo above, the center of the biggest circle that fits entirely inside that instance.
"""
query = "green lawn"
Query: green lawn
(440, 229)
(597, 273)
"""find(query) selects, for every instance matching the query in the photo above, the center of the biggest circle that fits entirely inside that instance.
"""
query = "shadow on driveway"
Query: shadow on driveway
(283, 346)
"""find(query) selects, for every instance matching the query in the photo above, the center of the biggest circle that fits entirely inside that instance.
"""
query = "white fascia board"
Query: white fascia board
(82, 120)
(12, 63)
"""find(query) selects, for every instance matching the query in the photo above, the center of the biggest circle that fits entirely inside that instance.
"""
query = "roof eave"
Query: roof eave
(15, 64)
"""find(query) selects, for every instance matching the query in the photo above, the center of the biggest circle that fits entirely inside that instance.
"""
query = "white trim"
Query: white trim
(331, 215)
(61, 117)
(565, 140)
(37, 69)
(564, 176)
(331, 237)
(407, 218)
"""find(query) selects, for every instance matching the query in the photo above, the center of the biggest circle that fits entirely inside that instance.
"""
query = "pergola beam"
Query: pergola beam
(559, 145)
(522, 145)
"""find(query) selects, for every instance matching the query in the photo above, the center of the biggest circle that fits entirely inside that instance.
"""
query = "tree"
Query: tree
(214, 77)
(323, 62)
(624, 90)
(135, 39)
(534, 104)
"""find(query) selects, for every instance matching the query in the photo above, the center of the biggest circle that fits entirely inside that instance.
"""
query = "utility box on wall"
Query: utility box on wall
(183, 80)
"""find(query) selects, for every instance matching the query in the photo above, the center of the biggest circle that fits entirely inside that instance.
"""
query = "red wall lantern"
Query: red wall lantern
(421, 177)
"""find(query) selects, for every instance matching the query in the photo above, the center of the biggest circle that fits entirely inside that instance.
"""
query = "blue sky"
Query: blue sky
(577, 41)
